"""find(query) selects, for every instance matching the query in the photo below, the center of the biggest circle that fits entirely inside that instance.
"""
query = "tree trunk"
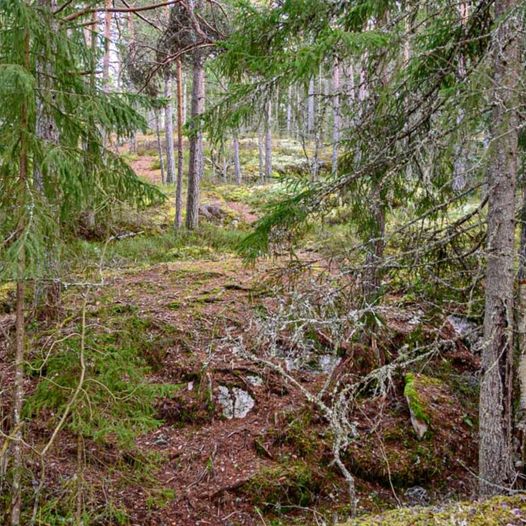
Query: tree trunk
(310, 107)
(521, 335)
(495, 446)
(261, 156)
(159, 145)
(336, 115)
(180, 157)
(268, 142)
(18, 395)
(237, 164)
(195, 167)
(169, 131)
(185, 99)
(460, 154)
(107, 44)
(289, 110)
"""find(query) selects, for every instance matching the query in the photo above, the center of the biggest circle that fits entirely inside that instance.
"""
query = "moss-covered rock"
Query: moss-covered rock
(286, 484)
(498, 511)
(390, 452)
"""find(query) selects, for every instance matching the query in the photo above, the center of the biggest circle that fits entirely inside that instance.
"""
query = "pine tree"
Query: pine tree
(74, 171)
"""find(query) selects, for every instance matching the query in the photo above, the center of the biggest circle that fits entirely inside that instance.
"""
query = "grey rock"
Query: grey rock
(417, 496)
(236, 402)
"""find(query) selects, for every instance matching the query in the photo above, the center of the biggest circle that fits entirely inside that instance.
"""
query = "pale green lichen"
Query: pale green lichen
(498, 511)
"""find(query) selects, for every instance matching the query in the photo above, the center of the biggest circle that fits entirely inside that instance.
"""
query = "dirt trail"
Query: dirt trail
(208, 458)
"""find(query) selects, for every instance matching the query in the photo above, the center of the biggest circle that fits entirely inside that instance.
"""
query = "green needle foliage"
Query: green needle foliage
(47, 73)
(420, 84)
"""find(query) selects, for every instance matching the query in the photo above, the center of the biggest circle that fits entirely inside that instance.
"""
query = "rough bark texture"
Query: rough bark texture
(195, 167)
(180, 158)
(372, 272)
(495, 449)
(169, 131)
(521, 335)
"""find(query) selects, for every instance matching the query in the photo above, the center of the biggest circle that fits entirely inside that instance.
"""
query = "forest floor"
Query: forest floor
(267, 458)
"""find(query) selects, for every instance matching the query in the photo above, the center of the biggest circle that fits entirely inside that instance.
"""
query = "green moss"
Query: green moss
(413, 398)
(498, 511)
(284, 485)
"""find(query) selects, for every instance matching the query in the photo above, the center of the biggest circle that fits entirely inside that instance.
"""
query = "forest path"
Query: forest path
(203, 306)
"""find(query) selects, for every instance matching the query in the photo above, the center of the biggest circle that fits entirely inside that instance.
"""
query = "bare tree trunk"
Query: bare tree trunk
(225, 164)
(336, 115)
(460, 164)
(261, 156)
(180, 157)
(47, 295)
(289, 110)
(268, 141)
(159, 145)
(373, 260)
(495, 446)
(310, 107)
(521, 336)
(185, 99)
(237, 164)
(107, 41)
(169, 131)
(195, 168)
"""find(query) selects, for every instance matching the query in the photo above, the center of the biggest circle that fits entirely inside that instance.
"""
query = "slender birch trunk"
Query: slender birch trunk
(159, 146)
(268, 142)
(107, 42)
(289, 111)
(169, 131)
(261, 155)
(195, 168)
(336, 115)
(180, 157)
(310, 107)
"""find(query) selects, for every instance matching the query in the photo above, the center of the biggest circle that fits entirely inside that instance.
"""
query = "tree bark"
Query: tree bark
(268, 141)
(521, 336)
(159, 146)
(495, 446)
(261, 156)
(180, 157)
(195, 168)
(237, 164)
(336, 115)
(289, 110)
(310, 107)
(169, 131)
(18, 395)
(107, 43)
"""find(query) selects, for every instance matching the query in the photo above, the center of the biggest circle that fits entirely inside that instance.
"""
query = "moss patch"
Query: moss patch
(499, 511)
(288, 484)
(414, 400)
